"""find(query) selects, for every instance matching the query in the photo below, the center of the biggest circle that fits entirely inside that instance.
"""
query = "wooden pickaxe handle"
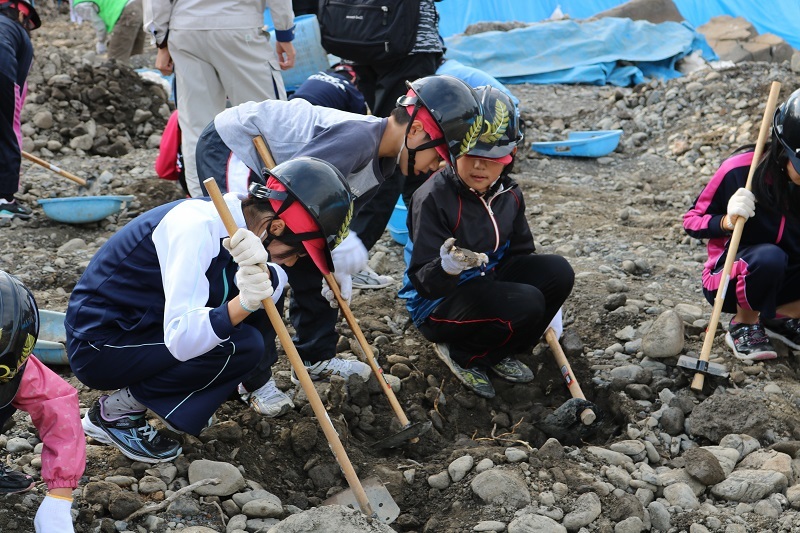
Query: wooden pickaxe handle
(53, 168)
(733, 246)
(298, 366)
(588, 416)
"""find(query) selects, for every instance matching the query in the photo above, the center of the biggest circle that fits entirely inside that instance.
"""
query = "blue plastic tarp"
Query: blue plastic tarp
(567, 51)
(767, 17)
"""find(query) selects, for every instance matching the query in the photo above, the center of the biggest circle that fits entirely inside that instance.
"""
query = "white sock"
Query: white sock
(54, 516)
(122, 403)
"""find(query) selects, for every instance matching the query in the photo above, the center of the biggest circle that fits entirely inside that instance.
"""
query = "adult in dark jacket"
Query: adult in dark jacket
(474, 284)
(764, 285)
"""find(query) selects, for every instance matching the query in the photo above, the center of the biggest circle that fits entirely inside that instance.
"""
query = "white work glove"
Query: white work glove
(742, 204)
(350, 257)
(54, 516)
(556, 324)
(455, 260)
(246, 248)
(100, 48)
(345, 282)
(254, 285)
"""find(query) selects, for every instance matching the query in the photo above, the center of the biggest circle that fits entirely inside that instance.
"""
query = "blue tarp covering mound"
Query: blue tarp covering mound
(774, 16)
(566, 51)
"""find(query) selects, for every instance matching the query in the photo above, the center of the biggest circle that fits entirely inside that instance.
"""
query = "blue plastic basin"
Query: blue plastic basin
(49, 347)
(83, 209)
(595, 143)
(397, 223)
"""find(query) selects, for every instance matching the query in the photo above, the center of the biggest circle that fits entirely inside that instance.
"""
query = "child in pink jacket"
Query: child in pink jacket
(28, 385)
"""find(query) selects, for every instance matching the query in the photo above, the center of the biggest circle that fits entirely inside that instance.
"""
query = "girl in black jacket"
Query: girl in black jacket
(474, 284)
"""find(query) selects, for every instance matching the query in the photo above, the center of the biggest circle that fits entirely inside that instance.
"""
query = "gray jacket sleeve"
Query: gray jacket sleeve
(283, 18)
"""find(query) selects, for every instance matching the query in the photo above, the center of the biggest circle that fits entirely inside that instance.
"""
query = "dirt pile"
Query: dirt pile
(79, 103)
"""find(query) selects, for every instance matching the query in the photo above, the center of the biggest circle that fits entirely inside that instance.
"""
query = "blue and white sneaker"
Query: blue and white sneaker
(14, 210)
(131, 433)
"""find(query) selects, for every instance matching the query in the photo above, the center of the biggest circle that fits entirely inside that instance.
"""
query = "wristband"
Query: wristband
(728, 223)
(245, 307)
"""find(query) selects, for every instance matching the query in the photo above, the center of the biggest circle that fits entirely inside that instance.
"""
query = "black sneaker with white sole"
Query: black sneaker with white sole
(786, 330)
(749, 342)
(131, 433)
(12, 481)
(14, 210)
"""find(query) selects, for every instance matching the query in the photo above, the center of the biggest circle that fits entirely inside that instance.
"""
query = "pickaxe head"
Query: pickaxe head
(704, 367)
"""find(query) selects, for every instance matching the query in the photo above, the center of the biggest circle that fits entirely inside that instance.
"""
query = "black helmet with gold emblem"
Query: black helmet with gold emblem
(19, 329)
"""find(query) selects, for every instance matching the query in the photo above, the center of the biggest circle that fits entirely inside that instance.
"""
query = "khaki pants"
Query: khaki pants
(212, 65)
(127, 38)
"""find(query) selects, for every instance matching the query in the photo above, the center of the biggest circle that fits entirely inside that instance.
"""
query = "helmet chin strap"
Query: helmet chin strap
(412, 152)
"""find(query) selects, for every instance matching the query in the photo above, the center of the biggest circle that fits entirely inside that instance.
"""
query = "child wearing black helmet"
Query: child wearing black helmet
(366, 150)
(474, 284)
(764, 288)
(26, 384)
(17, 19)
(168, 313)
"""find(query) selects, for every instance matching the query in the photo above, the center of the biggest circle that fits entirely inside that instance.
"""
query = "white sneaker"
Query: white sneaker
(268, 400)
(338, 367)
(369, 279)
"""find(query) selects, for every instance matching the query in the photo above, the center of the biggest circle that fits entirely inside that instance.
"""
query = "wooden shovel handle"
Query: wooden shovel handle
(733, 247)
(266, 157)
(588, 415)
(377, 370)
(57, 170)
(263, 151)
(298, 366)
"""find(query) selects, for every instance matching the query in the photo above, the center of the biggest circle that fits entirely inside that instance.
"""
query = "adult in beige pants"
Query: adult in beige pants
(219, 50)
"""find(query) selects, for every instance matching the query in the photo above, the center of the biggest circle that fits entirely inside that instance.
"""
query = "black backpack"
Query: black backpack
(368, 31)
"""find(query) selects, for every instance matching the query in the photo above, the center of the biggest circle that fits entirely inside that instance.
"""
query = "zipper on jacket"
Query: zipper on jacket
(491, 217)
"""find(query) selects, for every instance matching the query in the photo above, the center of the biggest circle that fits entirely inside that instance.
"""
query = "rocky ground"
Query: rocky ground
(660, 457)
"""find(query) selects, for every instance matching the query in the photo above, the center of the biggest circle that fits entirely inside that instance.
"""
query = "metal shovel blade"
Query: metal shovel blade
(412, 431)
(705, 367)
(383, 504)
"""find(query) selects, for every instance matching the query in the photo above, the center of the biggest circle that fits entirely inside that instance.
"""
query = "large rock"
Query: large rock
(655, 11)
(750, 485)
(231, 480)
(724, 413)
(703, 466)
(534, 523)
(585, 510)
(330, 518)
(501, 487)
(736, 39)
(665, 336)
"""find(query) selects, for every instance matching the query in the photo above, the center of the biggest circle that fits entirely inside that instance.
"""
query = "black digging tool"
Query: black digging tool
(576, 417)
(410, 432)
(702, 366)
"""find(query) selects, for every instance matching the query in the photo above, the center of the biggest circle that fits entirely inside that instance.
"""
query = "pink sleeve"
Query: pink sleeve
(53, 406)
